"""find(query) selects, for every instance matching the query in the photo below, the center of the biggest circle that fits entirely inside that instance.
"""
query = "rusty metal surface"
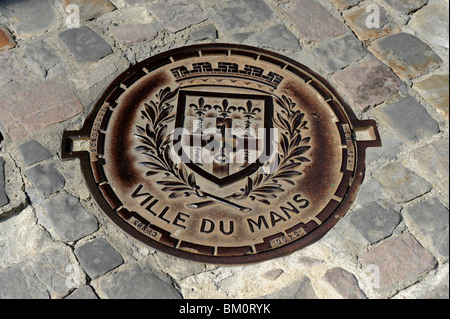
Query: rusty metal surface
(223, 154)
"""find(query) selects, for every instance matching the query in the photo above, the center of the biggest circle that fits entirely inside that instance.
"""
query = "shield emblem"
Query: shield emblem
(224, 137)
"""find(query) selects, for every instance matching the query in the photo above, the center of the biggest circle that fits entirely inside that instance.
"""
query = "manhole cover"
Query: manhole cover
(223, 154)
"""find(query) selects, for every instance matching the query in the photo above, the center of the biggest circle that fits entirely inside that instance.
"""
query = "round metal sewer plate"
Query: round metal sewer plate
(223, 154)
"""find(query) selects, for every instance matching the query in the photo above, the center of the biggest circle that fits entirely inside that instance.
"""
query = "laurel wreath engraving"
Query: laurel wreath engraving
(265, 186)
(155, 146)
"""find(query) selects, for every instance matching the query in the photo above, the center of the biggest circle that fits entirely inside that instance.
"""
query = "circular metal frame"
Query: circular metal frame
(96, 129)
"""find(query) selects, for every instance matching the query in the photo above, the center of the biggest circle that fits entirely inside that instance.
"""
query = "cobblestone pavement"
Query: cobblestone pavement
(394, 242)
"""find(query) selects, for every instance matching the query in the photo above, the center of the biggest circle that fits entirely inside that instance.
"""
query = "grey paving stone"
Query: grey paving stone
(42, 277)
(135, 33)
(32, 152)
(433, 163)
(46, 178)
(434, 89)
(408, 119)
(235, 14)
(97, 257)
(276, 37)
(406, 6)
(311, 21)
(432, 220)
(85, 45)
(135, 2)
(10, 72)
(242, 36)
(335, 54)
(391, 147)
(301, 289)
(20, 238)
(432, 24)
(356, 19)
(90, 9)
(370, 191)
(135, 282)
(65, 217)
(85, 292)
(208, 32)
(3, 197)
(375, 222)
(30, 18)
(408, 56)
(96, 73)
(344, 282)
(13, 285)
(176, 15)
(401, 183)
(42, 59)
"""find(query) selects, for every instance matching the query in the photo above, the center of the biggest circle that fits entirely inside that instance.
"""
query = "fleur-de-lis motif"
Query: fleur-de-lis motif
(225, 109)
(201, 108)
(249, 112)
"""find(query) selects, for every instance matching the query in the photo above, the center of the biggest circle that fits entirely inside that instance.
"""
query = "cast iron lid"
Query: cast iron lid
(221, 153)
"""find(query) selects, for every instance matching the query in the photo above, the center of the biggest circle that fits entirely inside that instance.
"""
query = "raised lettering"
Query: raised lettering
(261, 221)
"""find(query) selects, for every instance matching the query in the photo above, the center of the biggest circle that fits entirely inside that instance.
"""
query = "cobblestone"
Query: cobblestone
(97, 257)
(406, 6)
(367, 83)
(432, 25)
(30, 18)
(65, 218)
(46, 178)
(56, 243)
(433, 163)
(32, 152)
(308, 17)
(301, 289)
(431, 218)
(235, 14)
(335, 54)
(10, 72)
(434, 89)
(375, 222)
(177, 15)
(135, 282)
(208, 32)
(401, 260)
(85, 45)
(43, 277)
(408, 119)
(275, 37)
(41, 58)
(90, 9)
(357, 17)
(135, 33)
(38, 108)
(344, 282)
(406, 55)
(85, 79)
(401, 183)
